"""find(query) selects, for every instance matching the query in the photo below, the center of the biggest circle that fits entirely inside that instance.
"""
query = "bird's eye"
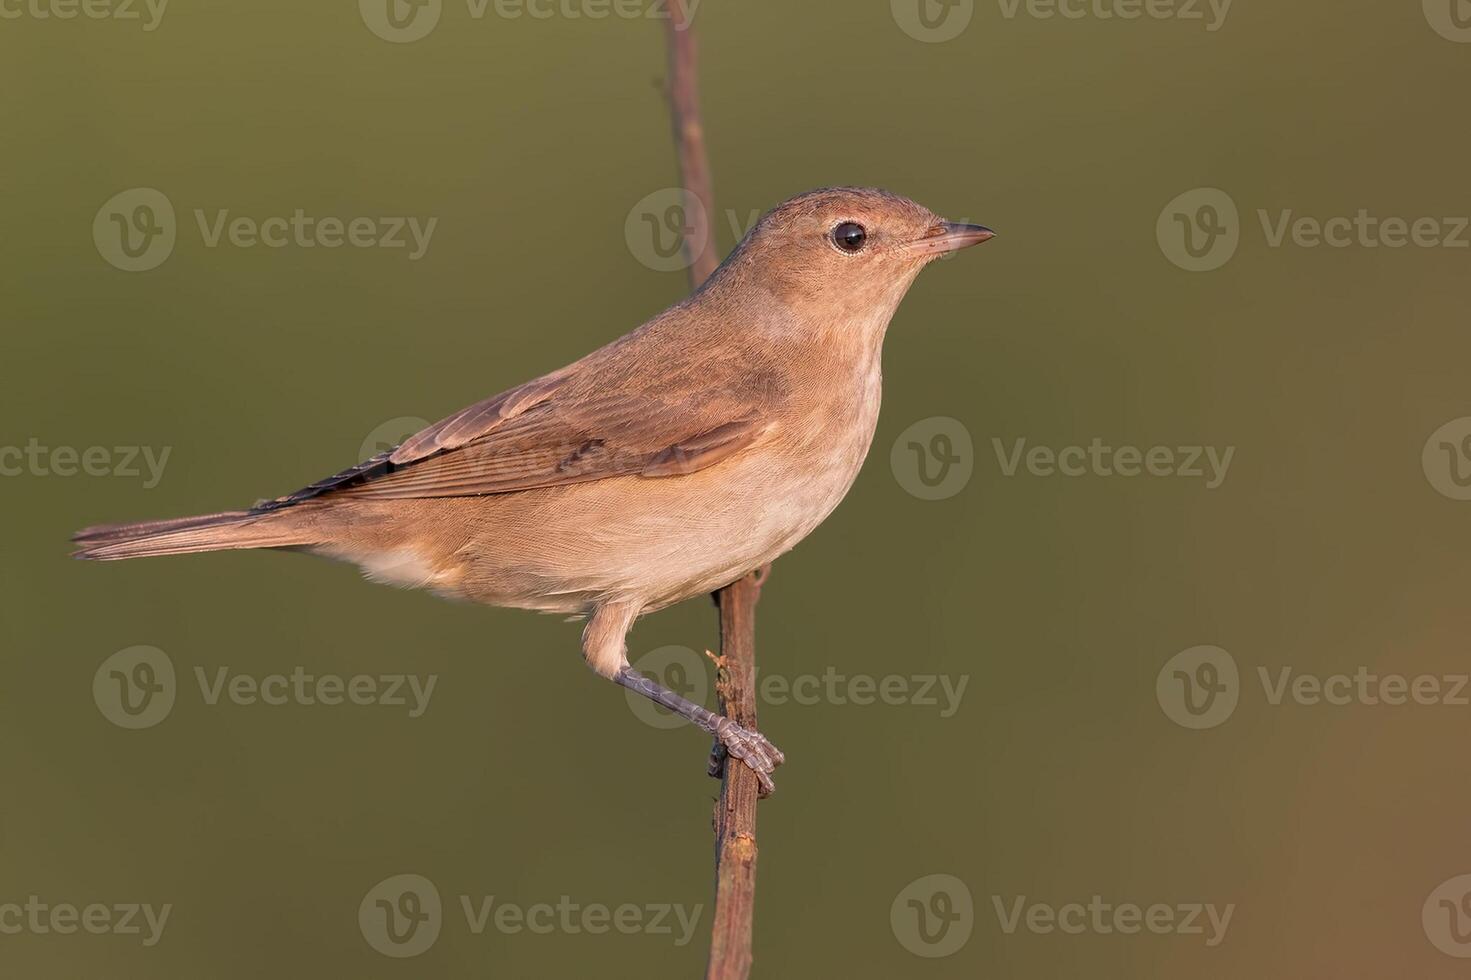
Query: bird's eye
(850, 236)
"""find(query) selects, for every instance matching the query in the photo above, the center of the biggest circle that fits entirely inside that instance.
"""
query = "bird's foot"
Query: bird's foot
(750, 747)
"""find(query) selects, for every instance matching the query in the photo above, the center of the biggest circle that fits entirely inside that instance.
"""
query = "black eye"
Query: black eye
(850, 236)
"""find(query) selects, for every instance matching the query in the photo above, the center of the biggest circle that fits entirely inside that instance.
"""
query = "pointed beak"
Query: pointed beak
(948, 236)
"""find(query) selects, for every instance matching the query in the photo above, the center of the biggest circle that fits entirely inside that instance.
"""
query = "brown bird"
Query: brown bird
(666, 465)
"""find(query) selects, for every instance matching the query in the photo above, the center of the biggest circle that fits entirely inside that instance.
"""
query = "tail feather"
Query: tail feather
(142, 528)
(187, 535)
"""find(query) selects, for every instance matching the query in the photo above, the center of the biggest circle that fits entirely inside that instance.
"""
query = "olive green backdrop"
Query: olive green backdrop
(1059, 601)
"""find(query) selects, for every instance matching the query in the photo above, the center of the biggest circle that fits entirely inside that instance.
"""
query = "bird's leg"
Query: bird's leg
(604, 647)
(750, 747)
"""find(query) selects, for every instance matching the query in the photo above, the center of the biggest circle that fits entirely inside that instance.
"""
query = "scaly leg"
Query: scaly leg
(604, 647)
(750, 747)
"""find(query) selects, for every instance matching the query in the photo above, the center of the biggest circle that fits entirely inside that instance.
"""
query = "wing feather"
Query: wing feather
(552, 432)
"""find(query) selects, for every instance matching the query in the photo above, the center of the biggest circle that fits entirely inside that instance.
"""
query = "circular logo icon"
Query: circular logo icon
(933, 459)
(1447, 459)
(390, 435)
(401, 21)
(1199, 230)
(678, 668)
(932, 21)
(401, 916)
(1447, 917)
(135, 230)
(1451, 19)
(659, 226)
(135, 688)
(1199, 688)
(933, 916)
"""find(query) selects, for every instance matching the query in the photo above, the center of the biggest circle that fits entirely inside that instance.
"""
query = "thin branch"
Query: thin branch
(689, 141)
(735, 814)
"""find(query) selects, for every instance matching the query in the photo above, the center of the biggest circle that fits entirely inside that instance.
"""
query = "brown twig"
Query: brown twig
(689, 142)
(735, 814)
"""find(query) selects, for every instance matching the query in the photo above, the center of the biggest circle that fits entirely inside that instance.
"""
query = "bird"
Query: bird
(664, 465)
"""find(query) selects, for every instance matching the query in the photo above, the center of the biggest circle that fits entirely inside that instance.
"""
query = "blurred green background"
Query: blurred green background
(1056, 600)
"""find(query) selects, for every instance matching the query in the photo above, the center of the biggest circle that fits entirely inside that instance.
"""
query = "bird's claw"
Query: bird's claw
(751, 747)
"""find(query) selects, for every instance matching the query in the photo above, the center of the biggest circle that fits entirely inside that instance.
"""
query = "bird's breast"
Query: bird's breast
(827, 438)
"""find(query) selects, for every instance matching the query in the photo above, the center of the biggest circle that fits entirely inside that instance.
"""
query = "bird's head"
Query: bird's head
(844, 253)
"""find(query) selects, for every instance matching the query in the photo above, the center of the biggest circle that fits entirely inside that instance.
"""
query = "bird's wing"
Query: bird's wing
(541, 434)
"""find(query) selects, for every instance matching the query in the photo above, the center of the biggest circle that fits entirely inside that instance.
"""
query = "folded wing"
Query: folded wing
(551, 432)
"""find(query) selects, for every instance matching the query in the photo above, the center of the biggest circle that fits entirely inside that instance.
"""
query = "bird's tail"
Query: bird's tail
(186, 535)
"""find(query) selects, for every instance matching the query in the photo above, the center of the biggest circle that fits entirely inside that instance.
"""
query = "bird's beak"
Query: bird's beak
(948, 236)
